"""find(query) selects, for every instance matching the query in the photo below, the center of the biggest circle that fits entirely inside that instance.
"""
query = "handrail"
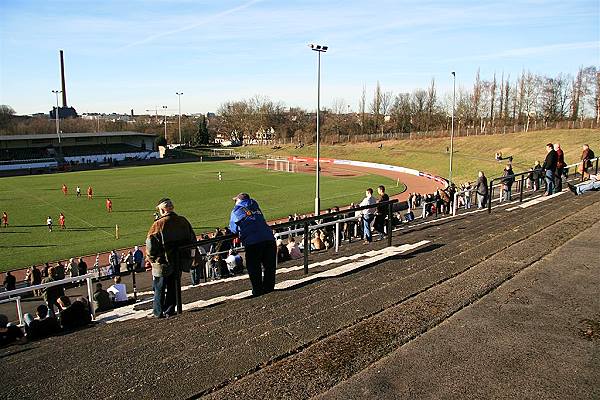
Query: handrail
(87, 277)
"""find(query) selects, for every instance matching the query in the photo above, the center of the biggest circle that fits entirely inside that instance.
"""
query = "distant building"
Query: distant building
(44, 150)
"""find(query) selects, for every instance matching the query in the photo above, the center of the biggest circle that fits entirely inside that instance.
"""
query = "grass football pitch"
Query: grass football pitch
(194, 188)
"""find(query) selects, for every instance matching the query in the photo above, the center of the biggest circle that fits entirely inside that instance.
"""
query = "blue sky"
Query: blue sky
(135, 54)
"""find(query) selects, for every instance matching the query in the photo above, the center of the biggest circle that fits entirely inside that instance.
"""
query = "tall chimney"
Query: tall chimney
(62, 77)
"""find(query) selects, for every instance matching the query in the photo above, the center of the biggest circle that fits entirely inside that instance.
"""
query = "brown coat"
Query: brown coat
(164, 238)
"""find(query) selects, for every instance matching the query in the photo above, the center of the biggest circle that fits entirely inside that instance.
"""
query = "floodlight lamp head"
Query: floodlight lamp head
(325, 48)
(453, 73)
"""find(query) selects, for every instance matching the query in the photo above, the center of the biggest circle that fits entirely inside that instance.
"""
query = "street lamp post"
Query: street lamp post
(165, 108)
(57, 92)
(179, 101)
(319, 49)
(452, 131)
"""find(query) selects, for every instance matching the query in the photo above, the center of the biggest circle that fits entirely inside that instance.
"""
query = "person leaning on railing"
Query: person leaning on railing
(248, 222)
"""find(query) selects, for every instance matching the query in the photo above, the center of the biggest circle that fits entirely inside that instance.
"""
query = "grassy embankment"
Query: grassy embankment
(471, 154)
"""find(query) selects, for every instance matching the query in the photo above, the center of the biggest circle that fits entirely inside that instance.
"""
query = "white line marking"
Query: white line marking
(370, 257)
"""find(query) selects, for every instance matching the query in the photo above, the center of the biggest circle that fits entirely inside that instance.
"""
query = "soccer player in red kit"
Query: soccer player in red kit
(61, 221)
(64, 189)
(109, 205)
(90, 192)
(5, 219)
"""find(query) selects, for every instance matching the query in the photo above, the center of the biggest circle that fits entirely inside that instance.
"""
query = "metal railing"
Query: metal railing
(87, 277)
(520, 184)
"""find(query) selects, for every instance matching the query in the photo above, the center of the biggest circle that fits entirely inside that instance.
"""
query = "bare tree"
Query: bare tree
(375, 107)
(362, 109)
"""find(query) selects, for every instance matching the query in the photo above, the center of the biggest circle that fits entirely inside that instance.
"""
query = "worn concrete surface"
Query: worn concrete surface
(303, 342)
(536, 337)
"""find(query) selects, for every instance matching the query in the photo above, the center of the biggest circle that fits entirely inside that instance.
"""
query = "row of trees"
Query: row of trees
(499, 101)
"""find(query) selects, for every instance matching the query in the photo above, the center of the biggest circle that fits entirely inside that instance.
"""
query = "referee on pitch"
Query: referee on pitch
(248, 222)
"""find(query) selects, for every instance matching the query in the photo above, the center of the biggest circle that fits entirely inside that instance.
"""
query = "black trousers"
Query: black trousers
(379, 223)
(558, 180)
(261, 257)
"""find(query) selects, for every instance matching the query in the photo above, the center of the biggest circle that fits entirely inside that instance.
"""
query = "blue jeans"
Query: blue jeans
(367, 227)
(163, 303)
(549, 181)
(196, 274)
(586, 187)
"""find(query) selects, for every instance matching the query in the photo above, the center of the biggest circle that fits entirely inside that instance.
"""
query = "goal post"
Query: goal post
(279, 164)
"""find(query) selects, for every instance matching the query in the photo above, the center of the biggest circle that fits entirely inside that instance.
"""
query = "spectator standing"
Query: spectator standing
(129, 263)
(10, 282)
(508, 178)
(367, 214)
(114, 263)
(60, 271)
(381, 212)
(560, 168)
(248, 222)
(586, 155)
(52, 293)
(72, 268)
(164, 238)
(138, 258)
(82, 266)
(550, 168)
(481, 188)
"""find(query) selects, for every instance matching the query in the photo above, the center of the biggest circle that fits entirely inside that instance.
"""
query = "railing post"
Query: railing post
(490, 194)
(134, 285)
(389, 225)
(423, 213)
(337, 237)
(454, 204)
(91, 296)
(597, 165)
(19, 309)
(306, 247)
(521, 189)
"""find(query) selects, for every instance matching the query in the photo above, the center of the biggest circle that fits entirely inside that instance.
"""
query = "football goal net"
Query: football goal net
(280, 164)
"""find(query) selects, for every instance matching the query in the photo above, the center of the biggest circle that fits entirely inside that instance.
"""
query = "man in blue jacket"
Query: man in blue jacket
(248, 222)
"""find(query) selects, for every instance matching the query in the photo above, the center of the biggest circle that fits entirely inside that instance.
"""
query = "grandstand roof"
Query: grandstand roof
(73, 135)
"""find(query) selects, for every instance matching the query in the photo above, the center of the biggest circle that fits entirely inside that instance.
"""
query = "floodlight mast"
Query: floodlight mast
(319, 49)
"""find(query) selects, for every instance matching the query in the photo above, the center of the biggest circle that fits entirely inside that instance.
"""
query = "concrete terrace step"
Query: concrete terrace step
(226, 347)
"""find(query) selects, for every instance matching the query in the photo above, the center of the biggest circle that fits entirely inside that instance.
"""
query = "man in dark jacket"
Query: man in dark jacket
(382, 212)
(248, 222)
(550, 168)
(508, 178)
(482, 190)
(165, 237)
(560, 168)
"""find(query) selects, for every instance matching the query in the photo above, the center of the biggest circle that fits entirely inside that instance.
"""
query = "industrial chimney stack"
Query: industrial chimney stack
(62, 78)
(64, 111)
